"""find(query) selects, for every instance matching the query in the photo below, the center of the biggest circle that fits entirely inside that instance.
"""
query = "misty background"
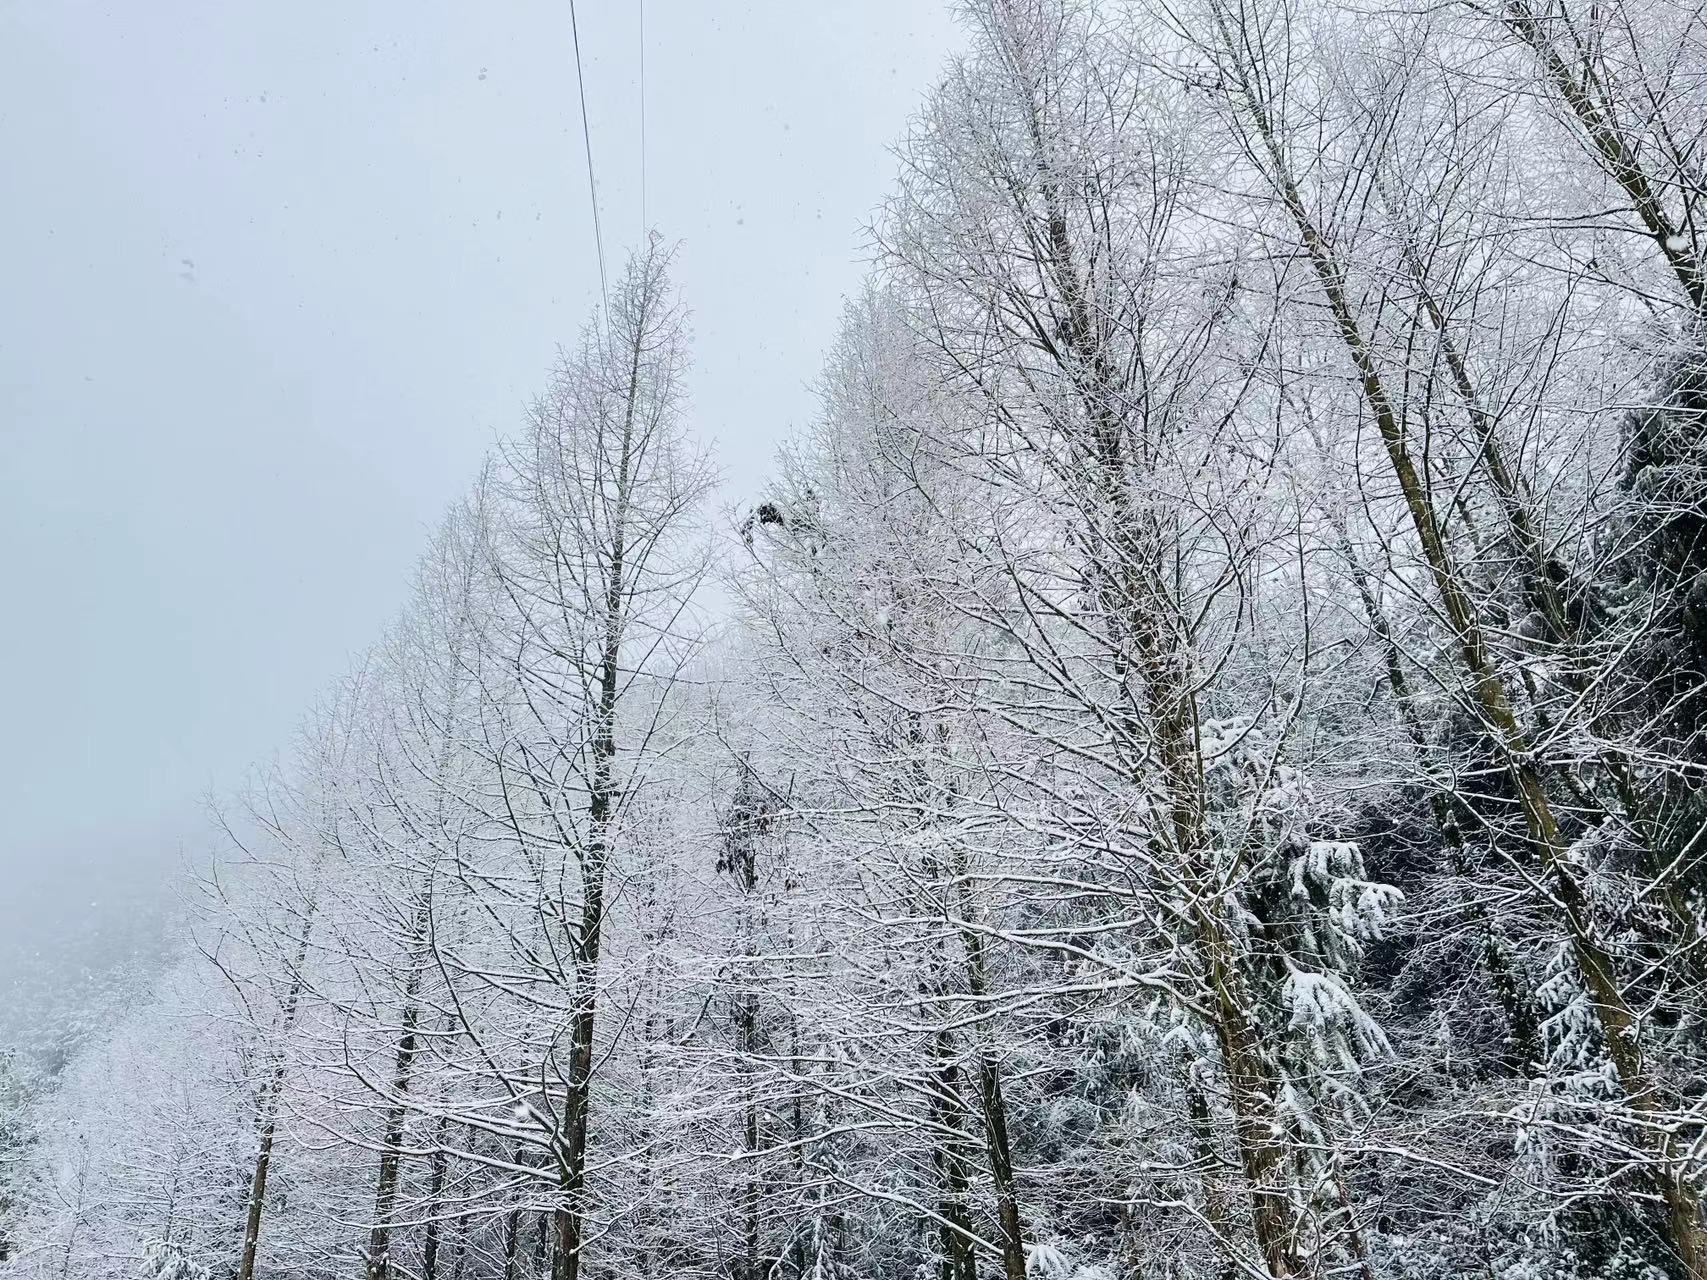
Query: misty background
(275, 278)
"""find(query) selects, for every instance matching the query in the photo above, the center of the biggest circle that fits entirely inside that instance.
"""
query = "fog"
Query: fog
(275, 278)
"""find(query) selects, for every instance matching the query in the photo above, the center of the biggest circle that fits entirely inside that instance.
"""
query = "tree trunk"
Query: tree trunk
(1616, 154)
(390, 1156)
(1216, 1209)
(435, 1201)
(959, 1259)
(996, 1142)
(1523, 1020)
(512, 1241)
(271, 1094)
(1618, 1023)
(601, 813)
(1135, 598)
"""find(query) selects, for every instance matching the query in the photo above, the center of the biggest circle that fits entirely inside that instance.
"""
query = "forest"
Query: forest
(1189, 767)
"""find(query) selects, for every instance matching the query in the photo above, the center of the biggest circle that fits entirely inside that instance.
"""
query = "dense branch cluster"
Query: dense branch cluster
(1192, 767)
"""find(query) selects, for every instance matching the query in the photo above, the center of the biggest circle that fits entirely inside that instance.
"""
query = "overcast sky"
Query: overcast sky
(275, 276)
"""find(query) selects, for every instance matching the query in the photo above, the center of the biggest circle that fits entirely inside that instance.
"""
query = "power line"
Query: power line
(587, 138)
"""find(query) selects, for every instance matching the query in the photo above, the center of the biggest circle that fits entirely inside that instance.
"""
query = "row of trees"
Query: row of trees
(1192, 767)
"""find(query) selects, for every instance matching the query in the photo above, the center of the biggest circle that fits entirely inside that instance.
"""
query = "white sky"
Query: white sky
(274, 277)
